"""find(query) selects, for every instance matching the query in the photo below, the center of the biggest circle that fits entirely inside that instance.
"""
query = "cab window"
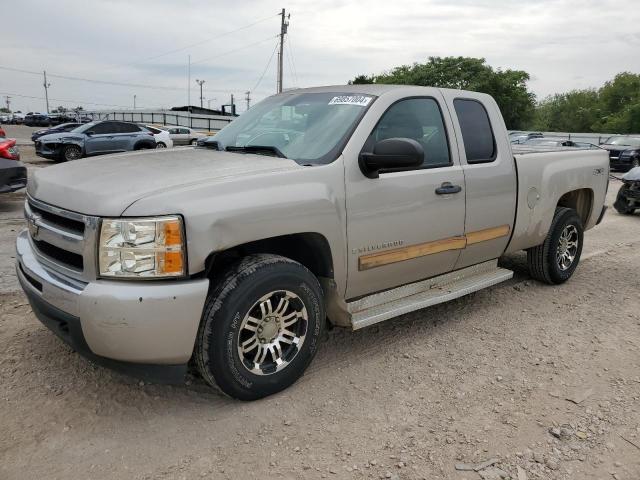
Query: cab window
(419, 119)
(477, 134)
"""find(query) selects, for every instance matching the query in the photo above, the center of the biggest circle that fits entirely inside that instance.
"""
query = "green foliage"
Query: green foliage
(59, 109)
(614, 108)
(508, 87)
(4, 110)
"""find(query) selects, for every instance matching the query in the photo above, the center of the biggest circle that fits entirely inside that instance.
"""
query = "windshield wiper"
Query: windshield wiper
(259, 149)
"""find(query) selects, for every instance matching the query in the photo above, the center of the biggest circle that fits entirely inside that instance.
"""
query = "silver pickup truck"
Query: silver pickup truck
(348, 203)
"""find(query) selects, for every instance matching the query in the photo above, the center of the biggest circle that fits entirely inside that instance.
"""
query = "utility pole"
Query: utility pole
(284, 23)
(233, 106)
(189, 84)
(46, 90)
(8, 102)
(248, 99)
(200, 82)
(134, 102)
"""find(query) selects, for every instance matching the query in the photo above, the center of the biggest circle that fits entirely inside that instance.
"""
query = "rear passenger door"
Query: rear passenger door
(101, 140)
(126, 137)
(489, 172)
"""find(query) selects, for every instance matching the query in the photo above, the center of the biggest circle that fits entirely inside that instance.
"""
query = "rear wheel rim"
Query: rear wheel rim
(272, 332)
(567, 247)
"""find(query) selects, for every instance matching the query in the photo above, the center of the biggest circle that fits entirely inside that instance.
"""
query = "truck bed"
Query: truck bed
(544, 177)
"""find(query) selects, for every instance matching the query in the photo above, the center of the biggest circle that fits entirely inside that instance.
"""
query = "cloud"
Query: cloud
(563, 44)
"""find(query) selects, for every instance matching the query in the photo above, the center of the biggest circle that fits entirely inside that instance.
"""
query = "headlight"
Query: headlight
(142, 248)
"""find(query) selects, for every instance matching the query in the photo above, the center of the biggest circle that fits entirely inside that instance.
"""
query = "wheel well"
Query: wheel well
(310, 249)
(580, 200)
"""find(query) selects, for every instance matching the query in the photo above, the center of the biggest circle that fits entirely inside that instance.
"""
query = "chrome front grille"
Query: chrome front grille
(63, 240)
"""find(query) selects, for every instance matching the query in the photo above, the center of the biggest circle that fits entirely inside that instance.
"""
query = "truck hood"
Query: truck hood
(107, 185)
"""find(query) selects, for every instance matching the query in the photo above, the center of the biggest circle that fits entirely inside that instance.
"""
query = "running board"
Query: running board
(408, 298)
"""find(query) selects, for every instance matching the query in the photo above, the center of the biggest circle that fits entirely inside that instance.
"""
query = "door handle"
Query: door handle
(447, 188)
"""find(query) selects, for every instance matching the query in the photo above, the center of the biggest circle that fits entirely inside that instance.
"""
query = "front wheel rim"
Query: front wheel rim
(72, 154)
(272, 332)
(567, 247)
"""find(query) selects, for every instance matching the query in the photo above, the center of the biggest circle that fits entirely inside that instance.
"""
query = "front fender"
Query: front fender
(225, 213)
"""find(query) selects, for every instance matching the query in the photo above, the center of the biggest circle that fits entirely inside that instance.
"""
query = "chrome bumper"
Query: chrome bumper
(144, 322)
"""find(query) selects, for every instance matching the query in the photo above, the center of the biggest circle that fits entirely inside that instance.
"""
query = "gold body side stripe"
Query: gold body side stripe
(379, 259)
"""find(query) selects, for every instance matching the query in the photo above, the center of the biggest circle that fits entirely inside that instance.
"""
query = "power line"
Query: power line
(65, 101)
(105, 82)
(202, 42)
(293, 63)
(290, 60)
(265, 68)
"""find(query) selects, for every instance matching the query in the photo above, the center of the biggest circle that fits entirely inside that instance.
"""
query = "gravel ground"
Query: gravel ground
(542, 382)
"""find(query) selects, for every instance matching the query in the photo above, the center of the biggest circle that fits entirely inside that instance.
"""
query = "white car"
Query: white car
(163, 139)
(184, 135)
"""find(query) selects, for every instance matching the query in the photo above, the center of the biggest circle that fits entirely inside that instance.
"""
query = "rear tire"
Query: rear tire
(160, 145)
(555, 260)
(260, 328)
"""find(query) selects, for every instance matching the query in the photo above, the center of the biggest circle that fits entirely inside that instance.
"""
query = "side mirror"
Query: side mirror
(392, 153)
(89, 133)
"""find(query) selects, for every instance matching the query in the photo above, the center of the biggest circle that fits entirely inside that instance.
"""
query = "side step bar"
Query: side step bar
(408, 298)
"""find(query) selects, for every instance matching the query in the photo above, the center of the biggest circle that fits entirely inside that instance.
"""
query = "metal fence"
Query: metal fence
(210, 123)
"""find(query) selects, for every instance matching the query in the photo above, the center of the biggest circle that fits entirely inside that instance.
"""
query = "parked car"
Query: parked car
(628, 198)
(184, 135)
(521, 137)
(13, 173)
(94, 138)
(163, 138)
(37, 120)
(63, 127)
(4, 118)
(624, 151)
(555, 143)
(17, 118)
(3, 134)
(233, 255)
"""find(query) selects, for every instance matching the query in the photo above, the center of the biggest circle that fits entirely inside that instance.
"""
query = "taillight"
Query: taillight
(9, 149)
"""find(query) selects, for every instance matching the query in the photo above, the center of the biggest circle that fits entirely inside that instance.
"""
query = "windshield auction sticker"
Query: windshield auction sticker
(359, 100)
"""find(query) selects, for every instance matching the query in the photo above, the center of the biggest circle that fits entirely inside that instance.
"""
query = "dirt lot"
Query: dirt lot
(543, 380)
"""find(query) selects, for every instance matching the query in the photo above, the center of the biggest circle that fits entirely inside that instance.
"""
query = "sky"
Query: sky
(121, 49)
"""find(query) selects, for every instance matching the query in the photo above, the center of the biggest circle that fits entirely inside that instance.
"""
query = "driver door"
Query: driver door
(403, 227)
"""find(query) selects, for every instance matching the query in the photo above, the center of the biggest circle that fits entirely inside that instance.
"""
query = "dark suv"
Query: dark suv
(94, 138)
(624, 151)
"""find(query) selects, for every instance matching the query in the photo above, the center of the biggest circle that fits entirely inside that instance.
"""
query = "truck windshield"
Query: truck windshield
(305, 127)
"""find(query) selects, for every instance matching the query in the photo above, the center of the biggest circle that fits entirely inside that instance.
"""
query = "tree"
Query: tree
(4, 110)
(508, 87)
(59, 109)
(613, 108)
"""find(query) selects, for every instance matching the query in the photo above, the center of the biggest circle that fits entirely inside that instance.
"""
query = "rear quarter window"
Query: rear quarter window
(477, 134)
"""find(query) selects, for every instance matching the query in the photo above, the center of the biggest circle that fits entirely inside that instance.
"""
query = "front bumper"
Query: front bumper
(52, 151)
(147, 329)
(13, 175)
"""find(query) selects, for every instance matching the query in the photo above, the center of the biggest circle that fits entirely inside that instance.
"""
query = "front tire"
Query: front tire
(555, 260)
(194, 142)
(160, 145)
(71, 153)
(260, 327)
(623, 205)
